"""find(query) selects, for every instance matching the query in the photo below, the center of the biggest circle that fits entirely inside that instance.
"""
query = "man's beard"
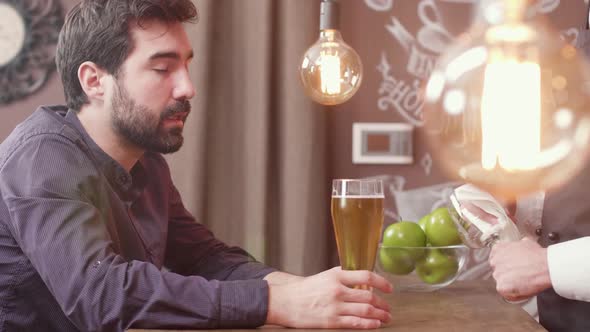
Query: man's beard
(139, 125)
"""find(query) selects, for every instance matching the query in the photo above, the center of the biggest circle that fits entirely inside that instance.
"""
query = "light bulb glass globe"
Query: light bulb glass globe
(331, 71)
(508, 105)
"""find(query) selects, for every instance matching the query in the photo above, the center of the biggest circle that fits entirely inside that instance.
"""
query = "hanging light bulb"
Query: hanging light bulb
(331, 71)
(508, 106)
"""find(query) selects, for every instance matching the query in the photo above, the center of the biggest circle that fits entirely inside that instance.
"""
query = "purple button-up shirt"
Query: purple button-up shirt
(85, 245)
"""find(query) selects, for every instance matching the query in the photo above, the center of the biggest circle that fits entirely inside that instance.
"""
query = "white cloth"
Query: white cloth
(569, 268)
(528, 214)
(484, 212)
(483, 206)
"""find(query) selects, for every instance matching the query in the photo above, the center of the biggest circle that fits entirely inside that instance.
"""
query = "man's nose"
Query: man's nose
(184, 88)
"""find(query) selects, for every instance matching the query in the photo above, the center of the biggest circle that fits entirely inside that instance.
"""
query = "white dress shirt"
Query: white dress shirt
(569, 268)
(569, 262)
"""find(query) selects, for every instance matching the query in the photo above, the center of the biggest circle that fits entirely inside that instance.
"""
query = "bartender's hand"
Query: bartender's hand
(520, 269)
(325, 300)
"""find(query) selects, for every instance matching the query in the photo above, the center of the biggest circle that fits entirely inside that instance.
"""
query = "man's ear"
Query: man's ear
(91, 78)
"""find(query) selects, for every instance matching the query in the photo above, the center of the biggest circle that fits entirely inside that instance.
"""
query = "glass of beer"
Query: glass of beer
(357, 216)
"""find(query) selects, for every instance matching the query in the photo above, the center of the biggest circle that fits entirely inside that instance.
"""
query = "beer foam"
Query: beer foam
(358, 196)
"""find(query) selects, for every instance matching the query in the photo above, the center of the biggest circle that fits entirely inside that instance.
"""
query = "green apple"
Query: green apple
(422, 222)
(396, 260)
(436, 267)
(405, 234)
(440, 229)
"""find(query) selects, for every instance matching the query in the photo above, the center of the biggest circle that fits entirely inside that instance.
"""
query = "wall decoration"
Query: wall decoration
(379, 5)
(547, 6)
(421, 38)
(570, 35)
(29, 31)
(382, 143)
(426, 163)
(403, 97)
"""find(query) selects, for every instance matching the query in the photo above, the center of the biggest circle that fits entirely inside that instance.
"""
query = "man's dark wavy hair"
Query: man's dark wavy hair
(99, 31)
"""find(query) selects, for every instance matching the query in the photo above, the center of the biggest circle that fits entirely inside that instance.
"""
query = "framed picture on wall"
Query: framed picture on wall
(29, 32)
(382, 143)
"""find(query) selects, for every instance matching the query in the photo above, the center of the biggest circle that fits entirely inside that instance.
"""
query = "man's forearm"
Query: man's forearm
(279, 278)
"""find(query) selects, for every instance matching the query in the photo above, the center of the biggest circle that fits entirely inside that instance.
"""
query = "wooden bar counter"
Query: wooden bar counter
(462, 306)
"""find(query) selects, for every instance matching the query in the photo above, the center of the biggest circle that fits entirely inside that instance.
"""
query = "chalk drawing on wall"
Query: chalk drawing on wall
(403, 74)
(403, 97)
(420, 62)
(432, 35)
(432, 38)
(543, 6)
(400, 92)
(459, 1)
(426, 163)
(570, 35)
(547, 6)
(379, 5)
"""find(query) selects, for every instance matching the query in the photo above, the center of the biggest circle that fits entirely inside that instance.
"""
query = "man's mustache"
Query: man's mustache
(178, 107)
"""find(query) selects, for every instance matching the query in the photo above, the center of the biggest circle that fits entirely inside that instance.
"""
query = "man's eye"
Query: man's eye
(161, 70)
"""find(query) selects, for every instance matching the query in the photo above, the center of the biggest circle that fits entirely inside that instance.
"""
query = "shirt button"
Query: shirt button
(553, 237)
(539, 231)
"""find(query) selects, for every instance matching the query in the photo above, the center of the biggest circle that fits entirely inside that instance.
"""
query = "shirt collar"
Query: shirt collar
(118, 177)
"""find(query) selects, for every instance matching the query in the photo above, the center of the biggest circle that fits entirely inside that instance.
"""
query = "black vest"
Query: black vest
(566, 216)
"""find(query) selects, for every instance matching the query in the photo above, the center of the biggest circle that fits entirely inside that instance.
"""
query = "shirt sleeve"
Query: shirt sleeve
(569, 268)
(44, 185)
(193, 250)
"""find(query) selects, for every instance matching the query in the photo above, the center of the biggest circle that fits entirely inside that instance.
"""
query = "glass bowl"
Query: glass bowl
(421, 269)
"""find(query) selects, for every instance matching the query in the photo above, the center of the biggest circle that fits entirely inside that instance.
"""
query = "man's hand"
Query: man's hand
(325, 300)
(520, 269)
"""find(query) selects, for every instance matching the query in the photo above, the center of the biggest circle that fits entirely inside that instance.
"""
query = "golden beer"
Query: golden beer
(357, 223)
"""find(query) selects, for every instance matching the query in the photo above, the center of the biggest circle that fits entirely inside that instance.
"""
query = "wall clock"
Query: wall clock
(29, 31)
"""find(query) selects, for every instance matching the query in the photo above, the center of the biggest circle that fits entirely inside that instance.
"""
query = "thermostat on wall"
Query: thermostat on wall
(382, 143)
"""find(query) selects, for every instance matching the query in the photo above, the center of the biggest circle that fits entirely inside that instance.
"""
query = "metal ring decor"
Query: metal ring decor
(29, 31)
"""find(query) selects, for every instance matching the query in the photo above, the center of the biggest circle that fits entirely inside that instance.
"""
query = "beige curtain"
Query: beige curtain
(253, 167)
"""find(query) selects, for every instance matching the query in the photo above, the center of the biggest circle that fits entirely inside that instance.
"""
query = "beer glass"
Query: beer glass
(357, 216)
